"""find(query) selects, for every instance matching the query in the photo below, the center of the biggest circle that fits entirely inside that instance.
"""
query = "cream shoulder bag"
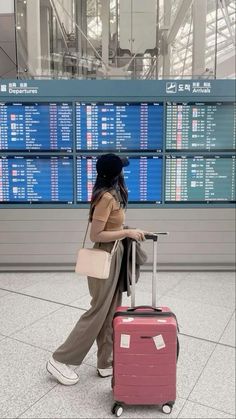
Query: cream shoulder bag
(94, 262)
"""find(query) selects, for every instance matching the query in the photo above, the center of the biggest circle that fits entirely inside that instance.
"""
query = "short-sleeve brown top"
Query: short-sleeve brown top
(109, 210)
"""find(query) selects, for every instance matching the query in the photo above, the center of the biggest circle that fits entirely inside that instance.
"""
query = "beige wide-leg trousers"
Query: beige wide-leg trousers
(96, 323)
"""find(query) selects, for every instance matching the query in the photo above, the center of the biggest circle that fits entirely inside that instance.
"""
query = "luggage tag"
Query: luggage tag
(159, 342)
(125, 341)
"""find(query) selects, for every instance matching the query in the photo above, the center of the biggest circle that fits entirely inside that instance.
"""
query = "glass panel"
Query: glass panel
(64, 39)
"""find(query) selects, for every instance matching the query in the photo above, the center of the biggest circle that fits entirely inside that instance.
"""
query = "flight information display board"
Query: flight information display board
(179, 136)
(197, 179)
(201, 126)
(36, 180)
(119, 126)
(36, 126)
(142, 172)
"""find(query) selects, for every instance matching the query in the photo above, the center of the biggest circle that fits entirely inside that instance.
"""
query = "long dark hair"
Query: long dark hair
(116, 186)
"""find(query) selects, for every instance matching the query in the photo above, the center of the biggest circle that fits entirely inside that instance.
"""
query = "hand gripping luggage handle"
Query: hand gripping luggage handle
(154, 236)
(150, 236)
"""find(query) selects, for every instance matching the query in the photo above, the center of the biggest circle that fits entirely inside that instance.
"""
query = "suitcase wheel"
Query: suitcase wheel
(117, 410)
(167, 408)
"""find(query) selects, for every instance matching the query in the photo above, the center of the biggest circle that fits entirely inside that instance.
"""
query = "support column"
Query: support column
(45, 39)
(33, 37)
(183, 7)
(81, 21)
(105, 15)
(199, 36)
(166, 45)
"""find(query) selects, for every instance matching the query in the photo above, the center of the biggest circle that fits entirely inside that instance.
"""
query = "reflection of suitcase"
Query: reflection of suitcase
(145, 351)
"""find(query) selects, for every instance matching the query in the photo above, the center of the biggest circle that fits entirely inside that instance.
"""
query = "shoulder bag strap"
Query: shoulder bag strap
(86, 232)
(114, 248)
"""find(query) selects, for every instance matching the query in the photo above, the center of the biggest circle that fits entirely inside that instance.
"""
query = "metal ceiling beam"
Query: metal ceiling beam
(227, 19)
(209, 32)
(199, 37)
(62, 29)
(208, 54)
(83, 34)
(178, 20)
(226, 65)
(212, 28)
(166, 49)
(105, 17)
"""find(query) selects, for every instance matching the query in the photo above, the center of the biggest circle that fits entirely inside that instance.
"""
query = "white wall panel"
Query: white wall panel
(49, 238)
(6, 6)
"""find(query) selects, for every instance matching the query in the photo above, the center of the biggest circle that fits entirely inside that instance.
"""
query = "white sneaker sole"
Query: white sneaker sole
(104, 376)
(59, 376)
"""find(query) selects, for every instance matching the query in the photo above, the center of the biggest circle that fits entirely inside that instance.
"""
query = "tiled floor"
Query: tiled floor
(38, 310)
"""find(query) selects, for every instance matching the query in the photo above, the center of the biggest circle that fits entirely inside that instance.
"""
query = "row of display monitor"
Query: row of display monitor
(142, 127)
(150, 179)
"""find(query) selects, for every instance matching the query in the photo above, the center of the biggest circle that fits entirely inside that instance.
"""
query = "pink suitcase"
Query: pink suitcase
(145, 350)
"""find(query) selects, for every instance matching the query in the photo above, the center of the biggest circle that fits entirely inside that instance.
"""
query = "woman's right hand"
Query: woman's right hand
(135, 234)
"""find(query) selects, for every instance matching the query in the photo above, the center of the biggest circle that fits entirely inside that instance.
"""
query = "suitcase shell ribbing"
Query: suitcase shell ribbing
(145, 356)
(144, 373)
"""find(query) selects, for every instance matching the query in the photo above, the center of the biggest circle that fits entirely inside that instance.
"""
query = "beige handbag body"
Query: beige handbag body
(94, 262)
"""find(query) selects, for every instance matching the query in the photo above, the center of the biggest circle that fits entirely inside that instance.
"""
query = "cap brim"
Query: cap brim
(125, 161)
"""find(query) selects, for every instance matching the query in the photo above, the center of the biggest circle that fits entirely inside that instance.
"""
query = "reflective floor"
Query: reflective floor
(38, 310)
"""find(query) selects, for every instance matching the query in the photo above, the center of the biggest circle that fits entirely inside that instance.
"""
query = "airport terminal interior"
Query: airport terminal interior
(153, 82)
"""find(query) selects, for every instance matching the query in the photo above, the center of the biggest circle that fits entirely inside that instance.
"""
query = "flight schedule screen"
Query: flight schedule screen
(181, 146)
(36, 179)
(143, 178)
(36, 126)
(119, 126)
(198, 179)
(201, 126)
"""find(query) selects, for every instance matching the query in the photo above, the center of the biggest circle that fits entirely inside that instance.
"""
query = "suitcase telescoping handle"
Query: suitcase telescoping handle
(154, 237)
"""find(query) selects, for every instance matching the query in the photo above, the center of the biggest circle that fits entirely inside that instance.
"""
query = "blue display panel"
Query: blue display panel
(119, 126)
(198, 179)
(36, 126)
(201, 126)
(36, 179)
(143, 178)
(189, 121)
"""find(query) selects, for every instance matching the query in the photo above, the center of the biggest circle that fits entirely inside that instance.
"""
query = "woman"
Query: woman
(108, 204)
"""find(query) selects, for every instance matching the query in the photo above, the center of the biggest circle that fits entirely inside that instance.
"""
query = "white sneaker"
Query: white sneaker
(105, 372)
(64, 374)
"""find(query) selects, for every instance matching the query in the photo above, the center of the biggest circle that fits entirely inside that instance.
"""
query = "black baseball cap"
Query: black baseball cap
(110, 165)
